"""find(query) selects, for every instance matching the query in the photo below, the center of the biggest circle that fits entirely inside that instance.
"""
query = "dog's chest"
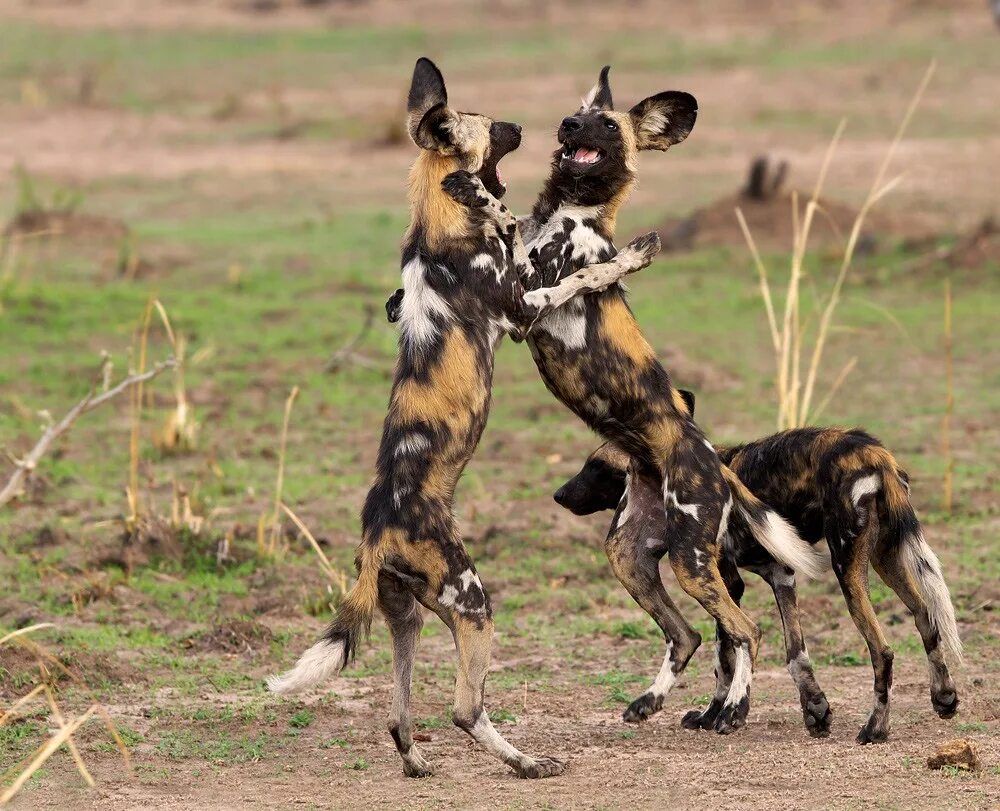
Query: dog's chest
(566, 242)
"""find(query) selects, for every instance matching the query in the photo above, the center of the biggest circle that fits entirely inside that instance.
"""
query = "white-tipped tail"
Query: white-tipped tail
(320, 662)
(921, 562)
(779, 538)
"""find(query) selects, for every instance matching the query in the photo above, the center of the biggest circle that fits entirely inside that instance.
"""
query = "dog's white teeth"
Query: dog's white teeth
(584, 155)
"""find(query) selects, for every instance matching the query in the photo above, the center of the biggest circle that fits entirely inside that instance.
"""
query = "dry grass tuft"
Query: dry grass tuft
(270, 537)
(21, 772)
(795, 394)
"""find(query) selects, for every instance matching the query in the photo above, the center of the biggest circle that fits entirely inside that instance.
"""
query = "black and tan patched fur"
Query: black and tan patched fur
(463, 262)
(829, 483)
(593, 356)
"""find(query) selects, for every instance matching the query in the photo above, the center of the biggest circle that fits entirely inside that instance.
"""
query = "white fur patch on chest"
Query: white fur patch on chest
(420, 303)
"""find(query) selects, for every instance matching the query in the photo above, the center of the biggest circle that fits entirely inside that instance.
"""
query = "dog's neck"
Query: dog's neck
(562, 189)
(434, 216)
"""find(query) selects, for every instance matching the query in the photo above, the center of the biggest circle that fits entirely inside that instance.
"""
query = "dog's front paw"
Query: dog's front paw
(643, 708)
(394, 306)
(465, 188)
(645, 248)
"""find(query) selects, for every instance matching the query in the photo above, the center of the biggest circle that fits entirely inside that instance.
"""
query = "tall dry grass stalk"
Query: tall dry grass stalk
(336, 578)
(949, 404)
(132, 489)
(180, 430)
(790, 342)
(21, 772)
(269, 531)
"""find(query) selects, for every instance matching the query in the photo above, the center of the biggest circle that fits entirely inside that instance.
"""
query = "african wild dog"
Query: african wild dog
(461, 267)
(593, 357)
(841, 485)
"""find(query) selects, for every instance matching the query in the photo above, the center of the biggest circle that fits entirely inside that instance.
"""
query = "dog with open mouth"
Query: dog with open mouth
(463, 263)
(593, 357)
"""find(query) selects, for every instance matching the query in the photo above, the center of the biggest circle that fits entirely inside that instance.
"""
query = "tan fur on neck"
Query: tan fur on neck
(440, 217)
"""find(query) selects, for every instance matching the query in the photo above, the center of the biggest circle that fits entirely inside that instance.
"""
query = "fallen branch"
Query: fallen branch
(25, 466)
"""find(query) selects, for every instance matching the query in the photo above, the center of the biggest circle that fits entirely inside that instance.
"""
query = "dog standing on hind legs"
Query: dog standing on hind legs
(462, 268)
(593, 357)
(830, 483)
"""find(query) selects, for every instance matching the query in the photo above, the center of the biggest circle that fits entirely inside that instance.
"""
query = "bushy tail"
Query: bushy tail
(336, 647)
(774, 533)
(916, 556)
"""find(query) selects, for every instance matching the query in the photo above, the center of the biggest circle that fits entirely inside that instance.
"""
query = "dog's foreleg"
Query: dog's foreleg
(593, 278)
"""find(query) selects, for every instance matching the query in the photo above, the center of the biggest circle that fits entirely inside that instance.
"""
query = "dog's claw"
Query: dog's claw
(465, 188)
(539, 767)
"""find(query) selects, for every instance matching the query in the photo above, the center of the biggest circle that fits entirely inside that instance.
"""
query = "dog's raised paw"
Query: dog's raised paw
(644, 707)
(465, 188)
(394, 306)
(538, 768)
(646, 246)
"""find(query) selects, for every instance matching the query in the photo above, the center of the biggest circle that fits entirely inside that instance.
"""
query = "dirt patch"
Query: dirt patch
(232, 636)
(767, 206)
(71, 225)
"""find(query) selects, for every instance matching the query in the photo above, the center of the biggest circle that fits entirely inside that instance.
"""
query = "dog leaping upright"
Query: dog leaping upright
(462, 263)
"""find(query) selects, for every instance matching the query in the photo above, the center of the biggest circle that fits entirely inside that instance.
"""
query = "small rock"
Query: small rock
(961, 753)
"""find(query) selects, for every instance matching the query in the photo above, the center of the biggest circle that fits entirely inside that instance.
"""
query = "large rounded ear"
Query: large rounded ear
(427, 107)
(664, 119)
(599, 97)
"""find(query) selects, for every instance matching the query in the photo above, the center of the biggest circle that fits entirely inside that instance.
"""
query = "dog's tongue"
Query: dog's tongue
(584, 155)
(499, 176)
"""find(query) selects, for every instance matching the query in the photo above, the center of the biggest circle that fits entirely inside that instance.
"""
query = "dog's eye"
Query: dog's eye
(611, 125)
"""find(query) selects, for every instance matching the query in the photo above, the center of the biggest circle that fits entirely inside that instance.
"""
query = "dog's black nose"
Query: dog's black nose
(560, 496)
(517, 128)
(572, 124)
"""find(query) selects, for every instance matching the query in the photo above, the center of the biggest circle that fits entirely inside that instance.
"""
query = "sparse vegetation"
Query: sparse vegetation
(268, 220)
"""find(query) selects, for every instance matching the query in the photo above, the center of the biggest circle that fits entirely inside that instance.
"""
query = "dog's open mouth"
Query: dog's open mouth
(582, 155)
(493, 179)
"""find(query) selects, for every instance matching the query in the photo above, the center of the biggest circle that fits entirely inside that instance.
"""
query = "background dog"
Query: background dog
(829, 483)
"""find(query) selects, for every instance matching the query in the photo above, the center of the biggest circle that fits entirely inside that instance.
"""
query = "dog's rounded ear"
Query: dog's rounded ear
(429, 117)
(664, 119)
(599, 97)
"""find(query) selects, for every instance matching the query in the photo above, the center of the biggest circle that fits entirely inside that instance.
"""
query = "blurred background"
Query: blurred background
(243, 162)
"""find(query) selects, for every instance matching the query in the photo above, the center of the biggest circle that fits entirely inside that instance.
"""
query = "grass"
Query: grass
(308, 260)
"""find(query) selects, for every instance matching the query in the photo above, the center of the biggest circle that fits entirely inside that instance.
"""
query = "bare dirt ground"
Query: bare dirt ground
(247, 156)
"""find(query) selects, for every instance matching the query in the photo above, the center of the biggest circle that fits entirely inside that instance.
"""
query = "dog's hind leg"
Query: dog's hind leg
(634, 547)
(725, 663)
(890, 567)
(694, 557)
(402, 615)
(851, 554)
(816, 711)
(464, 606)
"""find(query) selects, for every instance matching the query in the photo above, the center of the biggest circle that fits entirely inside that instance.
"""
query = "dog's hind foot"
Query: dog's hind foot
(643, 708)
(414, 764)
(874, 731)
(817, 715)
(537, 768)
(945, 703)
(465, 188)
(732, 717)
(702, 719)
